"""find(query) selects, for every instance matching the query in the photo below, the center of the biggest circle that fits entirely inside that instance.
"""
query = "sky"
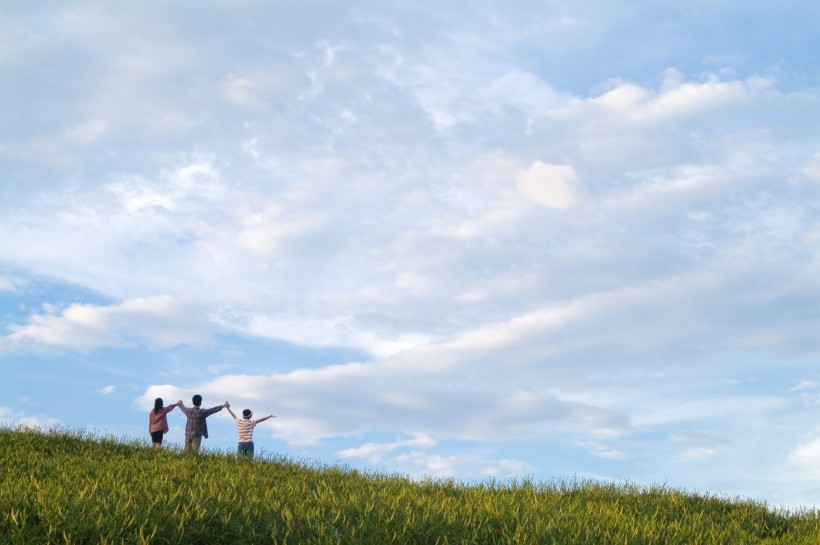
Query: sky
(470, 240)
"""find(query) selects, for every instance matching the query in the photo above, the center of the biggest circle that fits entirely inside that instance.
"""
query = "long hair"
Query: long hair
(157, 405)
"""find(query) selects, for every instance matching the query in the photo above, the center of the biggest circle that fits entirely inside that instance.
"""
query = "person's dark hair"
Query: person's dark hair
(197, 399)
(157, 405)
(247, 413)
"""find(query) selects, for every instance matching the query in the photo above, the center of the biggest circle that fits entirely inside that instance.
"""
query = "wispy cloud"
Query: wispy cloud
(9, 283)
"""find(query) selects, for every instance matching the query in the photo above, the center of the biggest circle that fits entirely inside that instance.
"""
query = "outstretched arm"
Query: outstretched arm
(212, 410)
(230, 411)
(265, 418)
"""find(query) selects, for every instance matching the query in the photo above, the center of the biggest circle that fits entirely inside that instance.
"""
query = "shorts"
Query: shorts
(156, 436)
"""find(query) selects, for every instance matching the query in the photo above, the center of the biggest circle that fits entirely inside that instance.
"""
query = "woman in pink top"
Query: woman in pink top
(158, 423)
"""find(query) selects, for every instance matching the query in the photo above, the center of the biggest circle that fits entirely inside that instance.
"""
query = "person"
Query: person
(196, 428)
(244, 428)
(158, 422)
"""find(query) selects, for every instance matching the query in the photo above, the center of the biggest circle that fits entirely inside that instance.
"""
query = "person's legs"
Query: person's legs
(156, 439)
(245, 450)
(192, 444)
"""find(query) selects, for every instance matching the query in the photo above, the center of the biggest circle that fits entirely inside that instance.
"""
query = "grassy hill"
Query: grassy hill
(64, 486)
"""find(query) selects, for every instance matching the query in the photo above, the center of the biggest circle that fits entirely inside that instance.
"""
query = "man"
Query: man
(197, 427)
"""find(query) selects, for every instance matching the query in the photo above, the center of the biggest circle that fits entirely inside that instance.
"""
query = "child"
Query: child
(244, 428)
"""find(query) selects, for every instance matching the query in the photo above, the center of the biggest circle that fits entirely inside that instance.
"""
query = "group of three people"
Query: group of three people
(197, 427)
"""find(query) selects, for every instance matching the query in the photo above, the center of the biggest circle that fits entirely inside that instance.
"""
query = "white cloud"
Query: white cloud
(160, 321)
(376, 452)
(421, 465)
(804, 457)
(602, 450)
(184, 188)
(265, 234)
(420, 391)
(169, 394)
(805, 385)
(11, 417)
(551, 186)
(677, 99)
(242, 90)
(108, 390)
(699, 454)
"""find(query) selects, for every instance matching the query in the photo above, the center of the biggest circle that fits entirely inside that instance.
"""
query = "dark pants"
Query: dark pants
(245, 449)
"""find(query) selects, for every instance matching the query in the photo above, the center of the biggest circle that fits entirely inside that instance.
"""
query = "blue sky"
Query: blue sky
(452, 239)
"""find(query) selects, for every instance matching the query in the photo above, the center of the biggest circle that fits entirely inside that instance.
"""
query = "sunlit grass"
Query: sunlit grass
(69, 486)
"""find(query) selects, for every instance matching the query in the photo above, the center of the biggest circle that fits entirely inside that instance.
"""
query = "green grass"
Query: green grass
(68, 486)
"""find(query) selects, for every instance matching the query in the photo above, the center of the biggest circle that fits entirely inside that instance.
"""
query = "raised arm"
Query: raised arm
(230, 411)
(265, 418)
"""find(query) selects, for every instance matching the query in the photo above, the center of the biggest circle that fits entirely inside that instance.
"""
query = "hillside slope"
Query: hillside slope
(64, 486)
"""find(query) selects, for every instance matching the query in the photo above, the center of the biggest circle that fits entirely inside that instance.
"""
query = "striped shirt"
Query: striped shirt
(244, 428)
